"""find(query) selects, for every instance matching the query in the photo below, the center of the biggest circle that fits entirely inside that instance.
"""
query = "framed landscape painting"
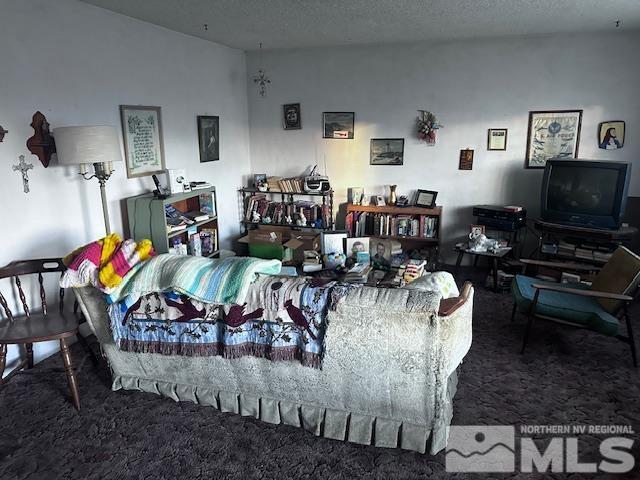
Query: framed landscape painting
(386, 151)
(143, 145)
(338, 124)
(209, 138)
(552, 134)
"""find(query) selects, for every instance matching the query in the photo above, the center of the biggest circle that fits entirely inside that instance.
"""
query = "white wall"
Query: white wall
(471, 86)
(77, 63)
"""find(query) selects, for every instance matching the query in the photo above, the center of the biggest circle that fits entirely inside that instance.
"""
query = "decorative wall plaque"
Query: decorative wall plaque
(41, 144)
(3, 132)
(466, 159)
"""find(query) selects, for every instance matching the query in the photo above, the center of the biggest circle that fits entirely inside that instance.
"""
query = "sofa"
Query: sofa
(388, 376)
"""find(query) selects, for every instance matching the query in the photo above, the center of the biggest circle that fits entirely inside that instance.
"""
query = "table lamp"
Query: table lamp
(98, 145)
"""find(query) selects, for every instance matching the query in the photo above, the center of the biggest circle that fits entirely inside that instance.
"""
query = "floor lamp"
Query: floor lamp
(98, 145)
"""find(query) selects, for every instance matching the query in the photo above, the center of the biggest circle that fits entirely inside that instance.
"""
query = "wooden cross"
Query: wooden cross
(24, 167)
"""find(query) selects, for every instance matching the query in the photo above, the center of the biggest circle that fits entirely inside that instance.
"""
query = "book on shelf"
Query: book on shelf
(209, 240)
(200, 185)
(396, 225)
(175, 217)
(207, 203)
(197, 216)
(259, 207)
(195, 245)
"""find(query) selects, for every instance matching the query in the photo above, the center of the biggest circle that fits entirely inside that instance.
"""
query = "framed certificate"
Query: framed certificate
(497, 139)
(552, 134)
(143, 144)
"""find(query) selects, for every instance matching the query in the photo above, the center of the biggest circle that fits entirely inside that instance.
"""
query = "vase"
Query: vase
(392, 195)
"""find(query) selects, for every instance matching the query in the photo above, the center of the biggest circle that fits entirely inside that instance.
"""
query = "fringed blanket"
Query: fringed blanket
(203, 279)
(283, 318)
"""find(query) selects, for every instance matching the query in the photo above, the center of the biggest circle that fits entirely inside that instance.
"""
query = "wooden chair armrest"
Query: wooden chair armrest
(584, 293)
(450, 305)
(560, 265)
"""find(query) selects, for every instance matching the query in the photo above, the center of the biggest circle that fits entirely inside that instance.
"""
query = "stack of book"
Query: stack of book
(286, 185)
(359, 273)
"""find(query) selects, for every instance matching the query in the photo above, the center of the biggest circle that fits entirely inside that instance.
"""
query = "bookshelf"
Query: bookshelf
(386, 221)
(147, 219)
(287, 202)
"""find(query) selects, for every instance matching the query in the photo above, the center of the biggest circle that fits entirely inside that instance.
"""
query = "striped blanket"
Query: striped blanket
(203, 279)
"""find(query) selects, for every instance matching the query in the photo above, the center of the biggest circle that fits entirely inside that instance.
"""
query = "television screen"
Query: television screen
(588, 191)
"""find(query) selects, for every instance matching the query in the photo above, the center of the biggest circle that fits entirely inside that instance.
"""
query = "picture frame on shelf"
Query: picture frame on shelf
(259, 180)
(355, 195)
(356, 245)
(426, 198)
(333, 242)
(386, 151)
(611, 135)
(143, 142)
(209, 138)
(380, 201)
(291, 118)
(338, 125)
(552, 134)
(497, 139)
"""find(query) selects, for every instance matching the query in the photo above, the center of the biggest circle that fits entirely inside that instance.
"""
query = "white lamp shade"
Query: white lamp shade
(90, 144)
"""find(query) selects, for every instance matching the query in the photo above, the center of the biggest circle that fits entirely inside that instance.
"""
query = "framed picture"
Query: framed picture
(552, 134)
(611, 135)
(497, 139)
(143, 144)
(477, 230)
(355, 195)
(291, 116)
(259, 179)
(380, 251)
(426, 198)
(338, 124)
(386, 151)
(332, 242)
(209, 138)
(466, 159)
(356, 245)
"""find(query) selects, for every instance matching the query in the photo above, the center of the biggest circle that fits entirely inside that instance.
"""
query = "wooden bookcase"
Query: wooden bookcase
(147, 218)
(416, 241)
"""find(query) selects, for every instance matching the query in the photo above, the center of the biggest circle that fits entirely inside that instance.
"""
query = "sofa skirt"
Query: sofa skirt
(328, 423)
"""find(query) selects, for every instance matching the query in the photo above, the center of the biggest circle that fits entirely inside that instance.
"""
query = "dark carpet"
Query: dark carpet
(565, 377)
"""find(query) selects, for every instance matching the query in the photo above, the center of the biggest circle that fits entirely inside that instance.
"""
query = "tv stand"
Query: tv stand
(586, 239)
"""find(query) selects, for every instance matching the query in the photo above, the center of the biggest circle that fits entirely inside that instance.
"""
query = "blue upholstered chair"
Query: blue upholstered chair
(599, 307)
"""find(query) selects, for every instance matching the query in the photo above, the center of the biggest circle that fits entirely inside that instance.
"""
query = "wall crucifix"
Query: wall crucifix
(24, 167)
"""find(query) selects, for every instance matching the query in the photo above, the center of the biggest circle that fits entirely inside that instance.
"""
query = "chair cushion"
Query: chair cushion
(620, 275)
(583, 311)
(38, 327)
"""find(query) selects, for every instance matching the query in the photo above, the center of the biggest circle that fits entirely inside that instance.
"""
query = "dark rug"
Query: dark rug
(566, 377)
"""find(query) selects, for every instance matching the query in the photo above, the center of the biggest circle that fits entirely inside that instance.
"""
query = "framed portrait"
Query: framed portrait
(143, 144)
(332, 242)
(466, 159)
(338, 125)
(426, 198)
(497, 139)
(209, 138)
(611, 135)
(386, 151)
(356, 245)
(259, 179)
(291, 116)
(552, 134)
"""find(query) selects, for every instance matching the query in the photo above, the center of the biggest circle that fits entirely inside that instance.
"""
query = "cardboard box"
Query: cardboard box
(277, 242)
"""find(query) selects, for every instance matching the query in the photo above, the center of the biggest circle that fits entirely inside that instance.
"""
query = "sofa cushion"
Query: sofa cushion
(583, 311)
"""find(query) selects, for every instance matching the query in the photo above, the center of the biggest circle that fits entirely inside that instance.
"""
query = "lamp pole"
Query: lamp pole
(102, 172)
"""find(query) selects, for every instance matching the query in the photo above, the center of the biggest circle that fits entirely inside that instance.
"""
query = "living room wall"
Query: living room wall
(471, 86)
(76, 64)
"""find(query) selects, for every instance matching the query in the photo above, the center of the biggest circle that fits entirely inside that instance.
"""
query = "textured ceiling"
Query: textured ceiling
(316, 23)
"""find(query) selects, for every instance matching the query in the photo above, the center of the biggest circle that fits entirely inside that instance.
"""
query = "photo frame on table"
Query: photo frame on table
(552, 134)
(339, 125)
(611, 135)
(209, 138)
(497, 139)
(356, 245)
(333, 242)
(426, 198)
(386, 151)
(143, 143)
(291, 118)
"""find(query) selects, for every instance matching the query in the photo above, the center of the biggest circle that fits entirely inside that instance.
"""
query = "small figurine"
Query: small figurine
(302, 221)
(255, 217)
(288, 220)
(266, 220)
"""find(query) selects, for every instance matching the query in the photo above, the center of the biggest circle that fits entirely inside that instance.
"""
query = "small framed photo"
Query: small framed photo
(380, 201)
(209, 138)
(611, 135)
(291, 116)
(497, 139)
(426, 198)
(466, 159)
(338, 125)
(386, 151)
(332, 242)
(356, 245)
(477, 230)
(259, 180)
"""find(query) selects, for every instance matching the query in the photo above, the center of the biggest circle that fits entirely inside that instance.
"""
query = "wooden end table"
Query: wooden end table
(493, 259)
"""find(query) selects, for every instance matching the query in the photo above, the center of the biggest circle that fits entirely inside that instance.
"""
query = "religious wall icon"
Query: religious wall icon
(23, 167)
(3, 132)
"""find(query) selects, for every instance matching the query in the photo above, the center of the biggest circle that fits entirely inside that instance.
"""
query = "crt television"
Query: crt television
(585, 193)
